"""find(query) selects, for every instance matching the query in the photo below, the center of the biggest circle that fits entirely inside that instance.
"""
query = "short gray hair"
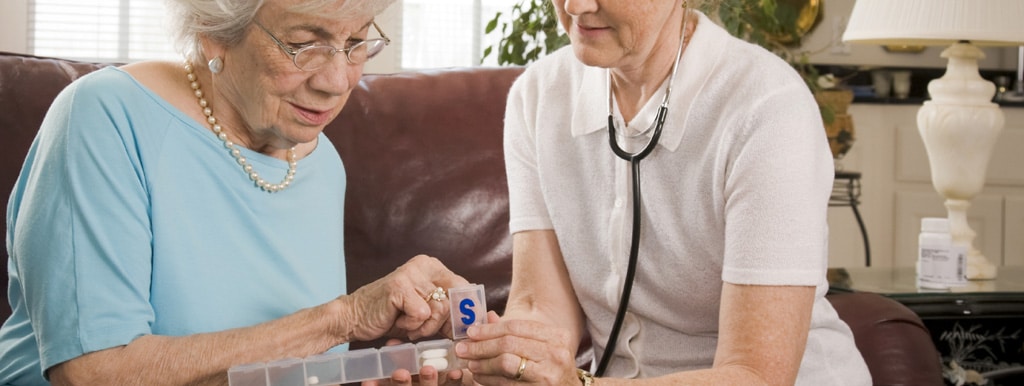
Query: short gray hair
(225, 21)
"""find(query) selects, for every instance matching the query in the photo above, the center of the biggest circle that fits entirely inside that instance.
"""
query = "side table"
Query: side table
(978, 329)
(846, 192)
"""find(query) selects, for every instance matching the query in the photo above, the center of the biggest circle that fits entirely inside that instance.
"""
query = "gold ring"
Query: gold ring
(522, 369)
(437, 295)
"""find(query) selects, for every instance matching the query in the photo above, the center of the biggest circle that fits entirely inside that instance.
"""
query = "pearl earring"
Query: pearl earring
(216, 65)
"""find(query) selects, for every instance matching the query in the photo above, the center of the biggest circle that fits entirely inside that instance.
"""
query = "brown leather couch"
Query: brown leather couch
(423, 152)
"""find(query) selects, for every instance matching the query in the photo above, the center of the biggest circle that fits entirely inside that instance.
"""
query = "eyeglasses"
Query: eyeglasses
(310, 58)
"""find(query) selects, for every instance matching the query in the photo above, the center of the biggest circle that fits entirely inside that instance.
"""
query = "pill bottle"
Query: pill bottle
(940, 263)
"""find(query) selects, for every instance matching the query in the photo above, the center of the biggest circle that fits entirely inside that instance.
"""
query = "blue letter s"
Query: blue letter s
(465, 306)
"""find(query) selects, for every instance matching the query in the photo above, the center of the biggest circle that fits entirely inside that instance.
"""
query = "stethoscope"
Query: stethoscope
(634, 162)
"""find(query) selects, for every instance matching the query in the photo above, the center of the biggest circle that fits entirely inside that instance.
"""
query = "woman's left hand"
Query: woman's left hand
(504, 352)
(402, 304)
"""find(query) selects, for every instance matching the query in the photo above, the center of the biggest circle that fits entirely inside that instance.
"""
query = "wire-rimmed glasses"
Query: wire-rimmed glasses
(311, 58)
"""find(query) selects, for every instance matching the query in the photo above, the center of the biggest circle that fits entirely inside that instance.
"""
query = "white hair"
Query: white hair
(225, 21)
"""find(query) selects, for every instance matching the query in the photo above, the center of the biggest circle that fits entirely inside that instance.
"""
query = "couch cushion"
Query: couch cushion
(896, 345)
(423, 153)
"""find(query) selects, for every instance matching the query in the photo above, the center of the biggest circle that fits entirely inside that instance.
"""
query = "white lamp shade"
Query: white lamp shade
(936, 22)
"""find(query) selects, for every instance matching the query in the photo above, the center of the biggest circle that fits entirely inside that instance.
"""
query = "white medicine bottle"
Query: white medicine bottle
(940, 263)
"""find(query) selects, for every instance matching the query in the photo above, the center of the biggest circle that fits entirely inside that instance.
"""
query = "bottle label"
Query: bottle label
(941, 267)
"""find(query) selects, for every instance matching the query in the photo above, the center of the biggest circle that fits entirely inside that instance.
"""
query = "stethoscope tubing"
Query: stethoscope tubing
(634, 245)
(634, 162)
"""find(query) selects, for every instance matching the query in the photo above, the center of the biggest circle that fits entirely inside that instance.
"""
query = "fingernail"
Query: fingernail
(460, 348)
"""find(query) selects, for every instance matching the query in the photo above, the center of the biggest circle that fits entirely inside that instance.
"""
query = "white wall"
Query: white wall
(897, 191)
(389, 60)
(14, 26)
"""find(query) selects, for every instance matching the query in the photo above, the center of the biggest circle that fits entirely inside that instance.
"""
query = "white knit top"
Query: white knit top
(737, 191)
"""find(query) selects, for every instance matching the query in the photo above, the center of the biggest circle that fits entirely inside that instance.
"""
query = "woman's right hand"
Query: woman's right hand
(398, 305)
(503, 351)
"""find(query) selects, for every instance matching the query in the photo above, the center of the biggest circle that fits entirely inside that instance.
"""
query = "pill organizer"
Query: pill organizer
(348, 367)
(468, 307)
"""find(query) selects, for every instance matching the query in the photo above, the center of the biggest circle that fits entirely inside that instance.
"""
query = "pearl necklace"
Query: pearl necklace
(246, 166)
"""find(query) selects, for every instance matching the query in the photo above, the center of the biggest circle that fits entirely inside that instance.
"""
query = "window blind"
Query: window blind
(435, 33)
(449, 33)
(100, 30)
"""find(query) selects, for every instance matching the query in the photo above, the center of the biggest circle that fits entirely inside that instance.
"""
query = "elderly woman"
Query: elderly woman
(172, 220)
(729, 278)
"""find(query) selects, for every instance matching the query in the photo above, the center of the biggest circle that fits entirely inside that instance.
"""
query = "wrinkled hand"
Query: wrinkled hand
(428, 376)
(496, 350)
(397, 305)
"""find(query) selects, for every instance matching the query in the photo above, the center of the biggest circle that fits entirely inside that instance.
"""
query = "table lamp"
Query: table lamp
(960, 124)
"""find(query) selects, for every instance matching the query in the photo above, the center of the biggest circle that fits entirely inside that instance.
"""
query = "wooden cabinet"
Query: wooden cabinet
(897, 191)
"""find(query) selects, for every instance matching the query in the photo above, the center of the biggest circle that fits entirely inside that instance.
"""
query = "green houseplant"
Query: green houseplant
(777, 25)
(532, 31)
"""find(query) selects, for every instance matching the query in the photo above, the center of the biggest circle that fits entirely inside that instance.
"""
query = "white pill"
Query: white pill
(314, 380)
(434, 353)
(437, 363)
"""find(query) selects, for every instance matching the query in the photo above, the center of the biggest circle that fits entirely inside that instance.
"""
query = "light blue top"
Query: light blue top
(131, 218)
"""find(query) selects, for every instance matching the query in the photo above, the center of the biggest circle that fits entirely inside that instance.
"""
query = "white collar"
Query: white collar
(702, 54)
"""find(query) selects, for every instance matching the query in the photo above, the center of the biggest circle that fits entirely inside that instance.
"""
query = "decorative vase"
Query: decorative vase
(839, 129)
(960, 127)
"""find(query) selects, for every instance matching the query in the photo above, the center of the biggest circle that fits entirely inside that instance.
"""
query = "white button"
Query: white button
(612, 287)
(618, 202)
